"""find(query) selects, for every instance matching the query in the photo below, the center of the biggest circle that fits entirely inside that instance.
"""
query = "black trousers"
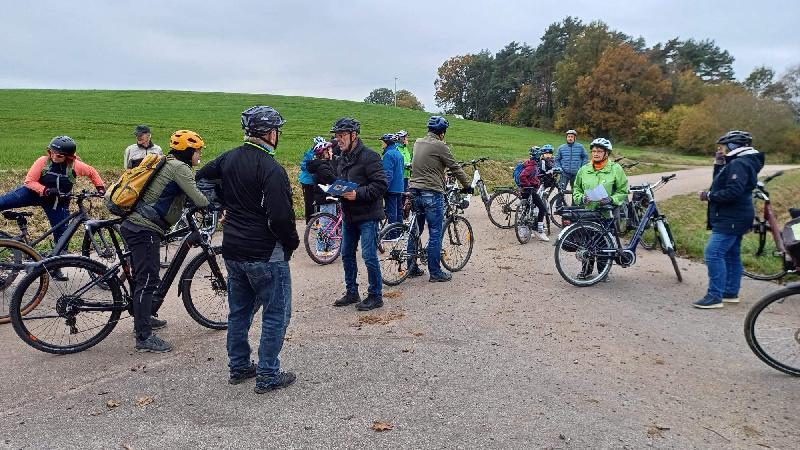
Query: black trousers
(145, 246)
(537, 201)
(308, 200)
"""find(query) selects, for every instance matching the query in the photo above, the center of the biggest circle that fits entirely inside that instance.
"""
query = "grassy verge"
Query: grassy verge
(687, 219)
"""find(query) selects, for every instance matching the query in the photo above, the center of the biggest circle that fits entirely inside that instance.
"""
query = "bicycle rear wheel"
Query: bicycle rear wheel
(14, 257)
(760, 255)
(457, 243)
(72, 315)
(556, 202)
(323, 238)
(772, 330)
(204, 289)
(582, 246)
(393, 255)
(502, 206)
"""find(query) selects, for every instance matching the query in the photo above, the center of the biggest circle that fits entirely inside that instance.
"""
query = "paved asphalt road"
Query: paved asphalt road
(507, 355)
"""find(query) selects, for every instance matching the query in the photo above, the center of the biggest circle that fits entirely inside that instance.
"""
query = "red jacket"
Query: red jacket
(529, 177)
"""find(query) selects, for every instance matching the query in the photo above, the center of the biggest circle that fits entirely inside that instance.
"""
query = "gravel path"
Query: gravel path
(507, 355)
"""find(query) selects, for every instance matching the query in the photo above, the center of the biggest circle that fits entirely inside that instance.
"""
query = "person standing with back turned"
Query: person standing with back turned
(257, 242)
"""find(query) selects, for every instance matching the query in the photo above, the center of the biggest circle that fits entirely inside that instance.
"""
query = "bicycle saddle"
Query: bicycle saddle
(14, 215)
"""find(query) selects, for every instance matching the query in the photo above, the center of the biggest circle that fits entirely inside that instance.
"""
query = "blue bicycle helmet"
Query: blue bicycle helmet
(602, 143)
(547, 148)
(388, 138)
(437, 124)
(346, 124)
(319, 140)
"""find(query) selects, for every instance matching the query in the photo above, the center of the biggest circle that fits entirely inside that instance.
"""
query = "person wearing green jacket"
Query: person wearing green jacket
(402, 137)
(599, 171)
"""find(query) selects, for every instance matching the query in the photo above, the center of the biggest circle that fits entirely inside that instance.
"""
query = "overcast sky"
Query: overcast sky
(339, 49)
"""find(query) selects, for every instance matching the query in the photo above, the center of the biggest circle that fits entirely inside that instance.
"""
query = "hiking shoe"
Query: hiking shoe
(153, 344)
(348, 299)
(730, 298)
(441, 278)
(708, 303)
(58, 275)
(371, 302)
(542, 237)
(239, 376)
(416, 272)
(584, 275)
(264, 384)
(156, 323)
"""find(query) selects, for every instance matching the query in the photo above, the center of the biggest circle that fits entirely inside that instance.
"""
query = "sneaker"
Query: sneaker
(156, 323)
(441, 278)
(708, 303)
(730, 298)
(348, 299)
(584, 275)
(542, 237)
(153, 344)
(264, 384)
(58, 275)
(371, 302)
(239, 376)
(416, 272)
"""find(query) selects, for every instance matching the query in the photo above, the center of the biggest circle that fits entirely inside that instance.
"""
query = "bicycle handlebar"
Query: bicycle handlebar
(773, 176)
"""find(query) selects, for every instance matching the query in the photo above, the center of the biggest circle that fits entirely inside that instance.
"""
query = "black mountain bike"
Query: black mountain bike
(772, 329)
(77, 314)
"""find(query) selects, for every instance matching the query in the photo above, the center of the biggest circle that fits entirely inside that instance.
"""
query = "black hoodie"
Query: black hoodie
(730, 200)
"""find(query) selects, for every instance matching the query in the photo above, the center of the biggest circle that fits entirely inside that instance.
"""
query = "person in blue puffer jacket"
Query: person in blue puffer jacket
(570, 157)
(393, 164)
(730, 216)
(306, 179)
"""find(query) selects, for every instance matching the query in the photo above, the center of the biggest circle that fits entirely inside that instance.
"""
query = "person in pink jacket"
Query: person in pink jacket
(49, 176)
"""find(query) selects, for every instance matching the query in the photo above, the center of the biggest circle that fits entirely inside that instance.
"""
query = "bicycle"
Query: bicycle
(763, 246)
(592, 238)
(75, 315)
(525, 218)
(323, 236)
(16, 258)
(501, 197)
(772, 329)
(555, 195)
(395, 257)
(208, 217)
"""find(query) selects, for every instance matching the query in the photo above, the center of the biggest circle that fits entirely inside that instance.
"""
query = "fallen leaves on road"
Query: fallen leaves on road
(751, 431)
(374, 319)
(656, 431)
(381, 426)
(144, 401)
(417, 333)
(112, 403)
(126, 446)
(392, 294)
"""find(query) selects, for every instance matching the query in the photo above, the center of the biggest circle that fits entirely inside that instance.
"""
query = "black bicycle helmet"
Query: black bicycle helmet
(437, 124)
(736, 137)
(63, 145)
(259, 120)
(346, 124)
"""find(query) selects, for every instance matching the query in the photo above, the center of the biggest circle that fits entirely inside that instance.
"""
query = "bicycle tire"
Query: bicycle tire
(649, 238)
(62, 304)
(215, 315)
(556, 203)
(793, 340)
(570, 243)
(521, 224)
(327, 240)
(4, 235)
(17, 253)
(393, 253)
(674, 260)
(454, 253)
(502, 206)
(760, 250)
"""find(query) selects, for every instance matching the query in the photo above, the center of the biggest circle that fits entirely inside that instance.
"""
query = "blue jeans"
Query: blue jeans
(367, 233)
(429, 206)
(254, 284)
(566, 178)
(21, 197)
(393, 207)
(722, 255)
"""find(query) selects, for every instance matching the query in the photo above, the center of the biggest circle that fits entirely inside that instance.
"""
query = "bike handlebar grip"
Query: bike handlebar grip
(668, 177)
(774, 175)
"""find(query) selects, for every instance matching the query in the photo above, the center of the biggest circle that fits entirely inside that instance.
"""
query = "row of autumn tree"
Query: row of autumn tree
(601, 82)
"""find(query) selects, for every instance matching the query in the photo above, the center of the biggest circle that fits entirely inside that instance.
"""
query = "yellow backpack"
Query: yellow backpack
(123, 196)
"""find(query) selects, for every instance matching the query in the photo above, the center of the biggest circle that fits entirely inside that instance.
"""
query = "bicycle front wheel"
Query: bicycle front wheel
(502, 207)
(393, 255)
(521, 226)
(772, 330)
(649, 239)
(323, 238)
(457, 243)
(581, 247)
(72, 315)
(760, 255)
(204, 289)
(15, 258)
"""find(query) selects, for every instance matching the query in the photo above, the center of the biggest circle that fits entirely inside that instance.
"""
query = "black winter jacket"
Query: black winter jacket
(730, 200)
(322, 170)
(364, 167)
(258, 204)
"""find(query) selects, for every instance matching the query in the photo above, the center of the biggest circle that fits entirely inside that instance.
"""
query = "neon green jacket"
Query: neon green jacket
(611, 176)
(406, 159)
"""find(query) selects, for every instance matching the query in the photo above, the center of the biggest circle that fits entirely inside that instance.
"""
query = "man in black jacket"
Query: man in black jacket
(730, 215)
(257, 243)
(362, 208)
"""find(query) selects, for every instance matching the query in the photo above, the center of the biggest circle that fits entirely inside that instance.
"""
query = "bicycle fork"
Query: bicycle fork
(666, 241)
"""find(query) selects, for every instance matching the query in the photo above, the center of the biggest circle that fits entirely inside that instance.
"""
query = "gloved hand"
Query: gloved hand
(101, 190)
(703, 196)
(467, 190)
(49, 192)
(604, 201)
(549, 172)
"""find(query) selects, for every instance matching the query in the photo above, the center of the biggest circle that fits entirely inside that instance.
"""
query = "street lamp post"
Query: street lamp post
(395, 92)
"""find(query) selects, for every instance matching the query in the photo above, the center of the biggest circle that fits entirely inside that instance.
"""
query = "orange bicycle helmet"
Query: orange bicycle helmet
(185, 139)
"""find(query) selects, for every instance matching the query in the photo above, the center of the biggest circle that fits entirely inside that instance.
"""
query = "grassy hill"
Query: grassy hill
(102, 122)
